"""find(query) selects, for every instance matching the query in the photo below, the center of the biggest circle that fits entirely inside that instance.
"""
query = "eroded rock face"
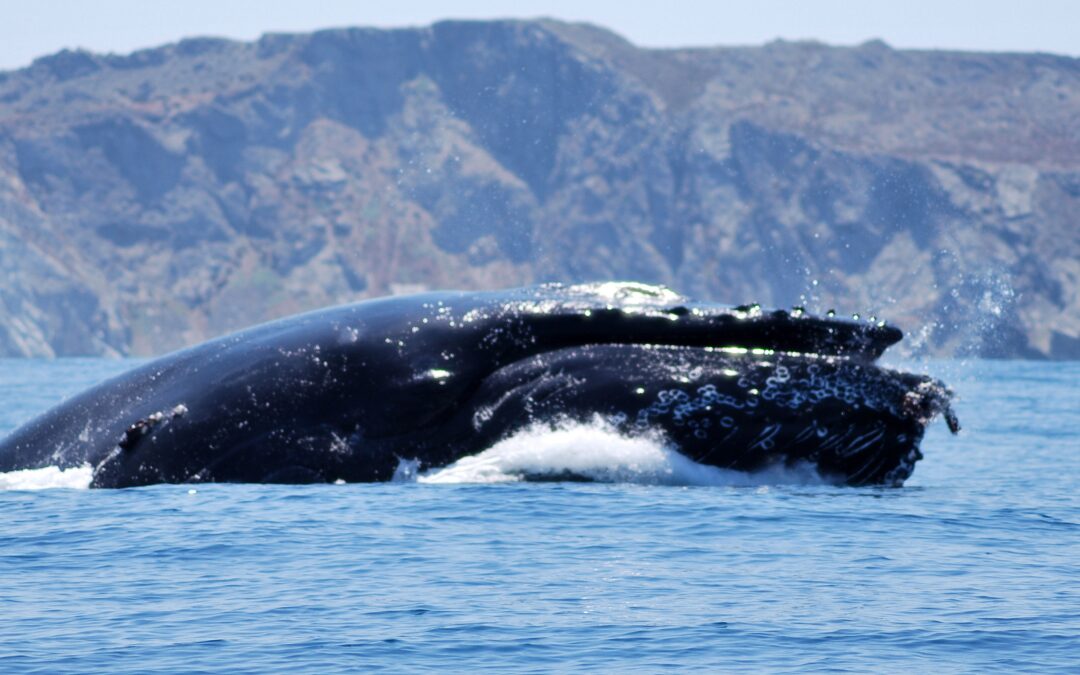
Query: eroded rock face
(153, 200)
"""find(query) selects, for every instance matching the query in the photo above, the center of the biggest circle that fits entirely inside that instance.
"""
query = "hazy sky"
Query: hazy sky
(29, 29)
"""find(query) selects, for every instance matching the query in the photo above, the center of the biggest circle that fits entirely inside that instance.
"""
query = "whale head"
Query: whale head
(348, 392)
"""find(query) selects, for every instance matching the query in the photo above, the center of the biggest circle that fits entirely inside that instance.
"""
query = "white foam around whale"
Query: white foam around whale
(598, 452)
(77, 477)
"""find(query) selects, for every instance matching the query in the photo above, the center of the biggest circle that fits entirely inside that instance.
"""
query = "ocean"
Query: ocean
(972, 566)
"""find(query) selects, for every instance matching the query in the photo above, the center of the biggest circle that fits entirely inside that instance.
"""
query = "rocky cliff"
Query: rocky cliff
(153, 200)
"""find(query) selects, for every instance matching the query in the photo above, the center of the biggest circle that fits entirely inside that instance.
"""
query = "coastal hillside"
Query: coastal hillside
(152, 200)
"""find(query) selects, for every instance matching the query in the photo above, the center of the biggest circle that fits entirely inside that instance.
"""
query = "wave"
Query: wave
(595, 451)
(77, 477)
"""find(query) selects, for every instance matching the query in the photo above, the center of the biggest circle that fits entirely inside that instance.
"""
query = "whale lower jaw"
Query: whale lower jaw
(743, 410)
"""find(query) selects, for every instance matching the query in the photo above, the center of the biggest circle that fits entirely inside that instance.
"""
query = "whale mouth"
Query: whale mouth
(739, 409)
(618, 314)
(739, 388)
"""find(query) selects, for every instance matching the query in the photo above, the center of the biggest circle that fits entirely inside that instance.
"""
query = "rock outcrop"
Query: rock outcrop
(153, 200)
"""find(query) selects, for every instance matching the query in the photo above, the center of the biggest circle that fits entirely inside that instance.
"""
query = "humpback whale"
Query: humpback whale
(347, 393)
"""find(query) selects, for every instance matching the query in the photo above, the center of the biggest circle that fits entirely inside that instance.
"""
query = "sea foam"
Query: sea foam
(598, 452)
(77, 477)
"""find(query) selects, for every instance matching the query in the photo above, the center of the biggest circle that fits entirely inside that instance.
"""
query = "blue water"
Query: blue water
(974, 565)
